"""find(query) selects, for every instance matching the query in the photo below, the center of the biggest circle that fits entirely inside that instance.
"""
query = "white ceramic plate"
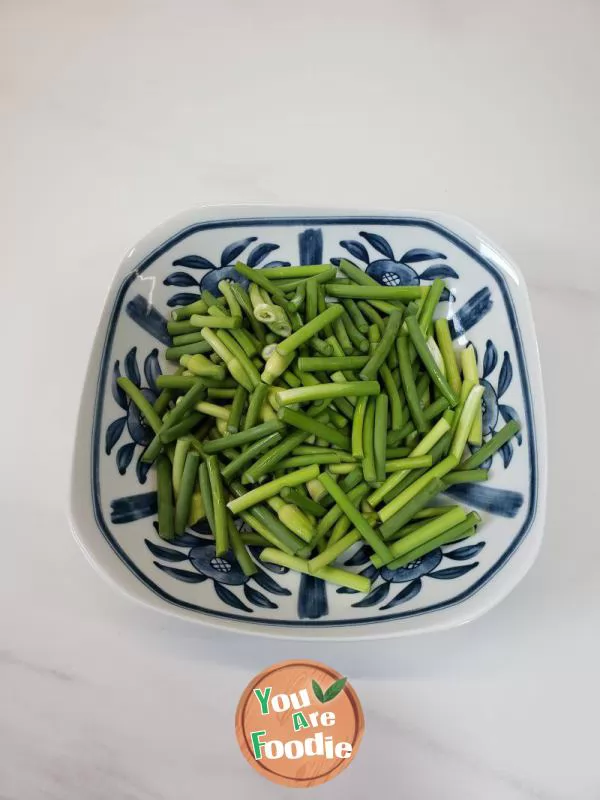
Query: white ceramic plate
(113, 501)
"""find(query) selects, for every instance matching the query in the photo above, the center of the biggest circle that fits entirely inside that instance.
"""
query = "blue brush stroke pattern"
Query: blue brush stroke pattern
(182, 299)
(148, 318)
(378, 243)
(464, 553)
(508, 413)
(227, 596)
(203, 528)
(166, 553)
(420, 254)
(232, 251)
(440, 271)
(506, 451)
(181, 574)
(131, 368)
(124, 456)
(141, 469)
(113, 433)
(369, 572)
(506, 373)
(152, 370)
(471, 312)
(266, 582)
(189, 540)
(310, 244)
(258, 598)
(194, 262)
(119, 395)
(375, 596)
(260, 252)
(359, 558)
(211, 280)
(312, 598)
(356, 249)
(136, 506)
(451, 573)
(417, 569)
(404, 595)
(503, 502)
(490, 358)
(181, 279)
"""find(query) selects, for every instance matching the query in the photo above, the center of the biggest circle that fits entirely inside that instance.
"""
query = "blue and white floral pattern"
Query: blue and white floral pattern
(390, 271)
(137, 428)
(211, 274)
(411, 574)
(494, 411)
(190, 558)
(223, 571)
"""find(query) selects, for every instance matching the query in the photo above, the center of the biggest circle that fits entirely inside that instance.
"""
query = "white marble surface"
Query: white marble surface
(117, 114)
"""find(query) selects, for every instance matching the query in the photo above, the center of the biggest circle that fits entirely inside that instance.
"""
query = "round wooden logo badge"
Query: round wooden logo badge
(299, 723)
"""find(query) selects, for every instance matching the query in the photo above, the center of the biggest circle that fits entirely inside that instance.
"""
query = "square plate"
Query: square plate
(113, 502)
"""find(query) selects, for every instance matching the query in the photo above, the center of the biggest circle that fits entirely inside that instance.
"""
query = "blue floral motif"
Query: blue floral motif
(493, 410)
(414, 569)
(213, 273)
(392, 271)
(139, 431)
(224, 571)
(503, 502)
(410, 574)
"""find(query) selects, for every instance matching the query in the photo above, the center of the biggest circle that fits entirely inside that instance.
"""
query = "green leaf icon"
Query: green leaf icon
(333, 691)
(318, 692)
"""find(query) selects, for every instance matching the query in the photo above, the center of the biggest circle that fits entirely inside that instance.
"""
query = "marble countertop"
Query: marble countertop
(116, 115)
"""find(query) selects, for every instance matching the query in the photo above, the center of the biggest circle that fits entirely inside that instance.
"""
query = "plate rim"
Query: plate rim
(143, 254)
